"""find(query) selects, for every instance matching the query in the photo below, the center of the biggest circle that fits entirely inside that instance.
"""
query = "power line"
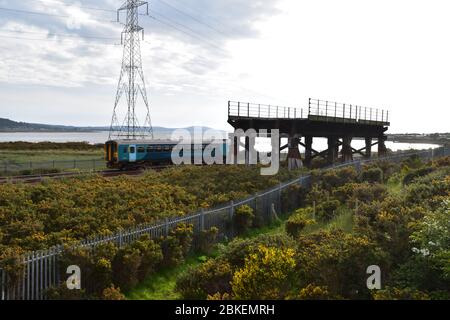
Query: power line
(51, 39)
(192, 17)
(203, 15)
(193, 35)
(60, 34)
(20, 11)
(74, 5)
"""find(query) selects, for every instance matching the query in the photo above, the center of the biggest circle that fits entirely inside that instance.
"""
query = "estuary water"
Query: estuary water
(319, 144)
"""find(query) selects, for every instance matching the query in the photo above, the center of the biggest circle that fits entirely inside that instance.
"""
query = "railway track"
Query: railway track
(31, 179)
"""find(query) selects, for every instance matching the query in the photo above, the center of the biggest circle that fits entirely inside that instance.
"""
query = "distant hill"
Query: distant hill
(7, 125)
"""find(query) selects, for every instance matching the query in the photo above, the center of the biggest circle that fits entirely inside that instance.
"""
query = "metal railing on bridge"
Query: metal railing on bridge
(341, 112)
(318, 110)
(263, 111)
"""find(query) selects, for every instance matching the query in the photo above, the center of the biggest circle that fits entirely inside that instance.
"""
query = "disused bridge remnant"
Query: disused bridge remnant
(340, 123)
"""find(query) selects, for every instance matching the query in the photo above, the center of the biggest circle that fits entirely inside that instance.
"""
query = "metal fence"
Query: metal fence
(7, 167)
(41, 268)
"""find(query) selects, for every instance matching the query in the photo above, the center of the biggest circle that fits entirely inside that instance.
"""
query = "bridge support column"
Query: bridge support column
(347, 153)
(368, 148)
(235, 151)
(308, 151)
(382, 150)
(250, 152)
(332, 142)
(294, 157)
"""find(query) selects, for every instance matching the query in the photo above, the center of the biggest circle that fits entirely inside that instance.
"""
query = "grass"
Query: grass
(24, 162)
(343, 220)
(161, 286)
(25, 156)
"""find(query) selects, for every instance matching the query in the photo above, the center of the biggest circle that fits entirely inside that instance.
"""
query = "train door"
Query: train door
(132, 153)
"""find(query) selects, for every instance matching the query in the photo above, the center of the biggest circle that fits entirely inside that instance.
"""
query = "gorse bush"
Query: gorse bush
(210, 278)
(372, 175)
(327, 210)
(34, 217)
(243, 219)
(207, 239)
(267, 274)
(298, 221)
(401, 229)
(414, 174)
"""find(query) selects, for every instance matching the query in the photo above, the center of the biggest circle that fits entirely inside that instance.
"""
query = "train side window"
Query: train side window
(149, 149)
(132, 150)
(141, 150)
(167, 148)
(125, 150)
(158, 148)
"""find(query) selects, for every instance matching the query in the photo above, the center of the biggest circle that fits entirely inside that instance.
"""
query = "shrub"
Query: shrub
(267, 275)
(184, 234)
(400, 294)
(442, 162)
(414, 174)
(326, 211)
(207, 239)
(214, 276)
(293, 197)
(172, 252)
(243, 219)
(312, 292)
(112, 293)
(317, 195)
(366, 193)
(151, 256)
(125, 268)
(338, 261)
(62, 293)
(372, 175)
(331, 179)
(237, 250)
(298, 221)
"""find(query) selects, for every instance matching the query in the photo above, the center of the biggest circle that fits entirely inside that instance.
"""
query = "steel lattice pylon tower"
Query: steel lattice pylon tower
(131, 81)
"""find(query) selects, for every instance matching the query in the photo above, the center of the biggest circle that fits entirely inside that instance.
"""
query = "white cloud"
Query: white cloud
(383, 54)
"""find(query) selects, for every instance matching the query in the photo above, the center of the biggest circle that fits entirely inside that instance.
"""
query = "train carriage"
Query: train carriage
(127, 154)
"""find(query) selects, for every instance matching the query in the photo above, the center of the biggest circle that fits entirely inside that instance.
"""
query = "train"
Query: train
(139, 154)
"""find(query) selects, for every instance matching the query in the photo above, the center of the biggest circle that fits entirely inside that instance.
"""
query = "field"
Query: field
(28, 158)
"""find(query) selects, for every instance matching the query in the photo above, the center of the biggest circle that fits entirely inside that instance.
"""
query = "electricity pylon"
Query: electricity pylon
(131, 81)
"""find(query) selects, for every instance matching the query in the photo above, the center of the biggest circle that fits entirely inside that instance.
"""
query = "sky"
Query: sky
(60, 60)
